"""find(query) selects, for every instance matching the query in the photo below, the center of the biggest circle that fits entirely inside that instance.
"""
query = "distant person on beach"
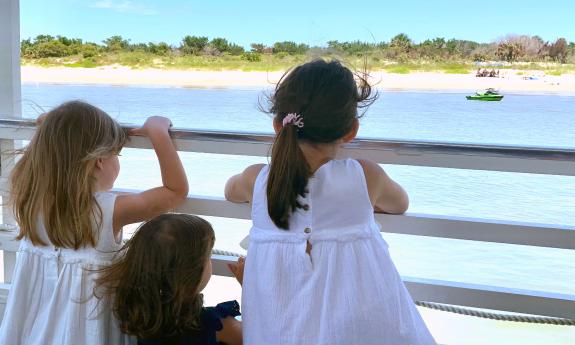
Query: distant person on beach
(482, 73)
(71, 224)
(318, 271)
(155, 285)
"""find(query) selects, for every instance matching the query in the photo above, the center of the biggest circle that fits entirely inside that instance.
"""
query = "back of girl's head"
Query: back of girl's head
(326, 96)
(55, 180)
(154, 283)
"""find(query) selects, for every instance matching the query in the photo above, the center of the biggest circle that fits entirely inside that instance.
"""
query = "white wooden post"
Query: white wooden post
(10, 102)
(10, 95)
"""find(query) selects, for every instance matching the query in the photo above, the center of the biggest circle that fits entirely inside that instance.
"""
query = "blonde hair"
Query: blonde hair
(54, 180)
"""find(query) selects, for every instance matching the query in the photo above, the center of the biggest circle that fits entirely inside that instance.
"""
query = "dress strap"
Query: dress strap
(106, 240)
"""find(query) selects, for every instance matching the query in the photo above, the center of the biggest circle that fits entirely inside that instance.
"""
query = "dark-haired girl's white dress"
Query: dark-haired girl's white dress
(347, 291)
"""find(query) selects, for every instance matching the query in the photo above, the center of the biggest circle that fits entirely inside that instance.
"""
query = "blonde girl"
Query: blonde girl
(71, 224)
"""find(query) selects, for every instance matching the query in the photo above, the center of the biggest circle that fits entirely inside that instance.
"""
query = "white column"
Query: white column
(10, 102)
(10, 93)
(10, 59)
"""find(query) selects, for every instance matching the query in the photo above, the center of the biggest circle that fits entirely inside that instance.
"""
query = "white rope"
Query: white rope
(496, 316)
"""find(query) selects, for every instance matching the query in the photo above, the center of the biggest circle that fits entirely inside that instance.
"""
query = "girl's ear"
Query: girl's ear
(277, 125)
(100, 163)
(352, 133)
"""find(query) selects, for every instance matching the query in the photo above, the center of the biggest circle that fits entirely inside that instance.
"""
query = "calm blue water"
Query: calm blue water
(520, 119)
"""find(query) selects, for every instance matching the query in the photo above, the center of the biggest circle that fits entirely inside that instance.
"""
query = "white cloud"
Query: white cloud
(125, 6)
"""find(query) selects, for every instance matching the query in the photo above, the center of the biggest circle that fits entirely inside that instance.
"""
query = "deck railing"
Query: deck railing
(478, 157)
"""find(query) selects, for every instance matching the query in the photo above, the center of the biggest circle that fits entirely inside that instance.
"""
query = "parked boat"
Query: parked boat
(489, 95)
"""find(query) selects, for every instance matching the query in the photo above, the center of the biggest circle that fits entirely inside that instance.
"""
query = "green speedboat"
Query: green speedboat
(488, 95)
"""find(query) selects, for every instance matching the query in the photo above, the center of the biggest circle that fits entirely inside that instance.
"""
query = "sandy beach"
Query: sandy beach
(509, 80)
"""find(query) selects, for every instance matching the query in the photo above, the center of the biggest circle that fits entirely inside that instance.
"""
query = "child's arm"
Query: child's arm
(152, 202)
(231, 333)
(240, 187)
(386, 195)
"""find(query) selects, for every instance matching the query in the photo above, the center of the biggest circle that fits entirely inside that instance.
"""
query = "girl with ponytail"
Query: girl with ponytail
(317, 270)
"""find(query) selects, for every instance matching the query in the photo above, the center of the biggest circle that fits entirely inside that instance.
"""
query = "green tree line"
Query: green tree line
(400, 48)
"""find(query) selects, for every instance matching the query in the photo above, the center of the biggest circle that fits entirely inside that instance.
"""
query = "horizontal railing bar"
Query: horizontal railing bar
(8, 241)
(473, 229)
(478, 229)
(361, 143)
(492, 297)
(450, 227)
(558, 161)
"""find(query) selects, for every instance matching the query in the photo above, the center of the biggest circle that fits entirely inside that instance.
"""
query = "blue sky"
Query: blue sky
(311, 22)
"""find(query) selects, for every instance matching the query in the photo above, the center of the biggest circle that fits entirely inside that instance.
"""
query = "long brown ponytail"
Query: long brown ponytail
(288, 176)
(326, 96)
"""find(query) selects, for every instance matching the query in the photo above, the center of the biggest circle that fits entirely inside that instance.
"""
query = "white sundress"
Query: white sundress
(51, 298)
(347, 291)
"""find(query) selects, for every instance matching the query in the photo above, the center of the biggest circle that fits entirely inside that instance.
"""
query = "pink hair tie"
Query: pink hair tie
(294, 119)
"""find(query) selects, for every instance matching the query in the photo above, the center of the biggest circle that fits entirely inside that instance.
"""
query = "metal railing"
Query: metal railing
(463, 156)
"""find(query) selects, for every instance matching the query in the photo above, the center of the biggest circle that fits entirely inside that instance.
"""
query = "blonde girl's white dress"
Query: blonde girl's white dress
(346, 291)
(51, 298)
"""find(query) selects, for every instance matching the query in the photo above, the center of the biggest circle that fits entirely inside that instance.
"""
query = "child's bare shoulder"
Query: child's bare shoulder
(372, 170)
(239, 188)
(252, 172)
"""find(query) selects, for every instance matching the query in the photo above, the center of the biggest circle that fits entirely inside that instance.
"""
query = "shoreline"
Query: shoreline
(509, 81)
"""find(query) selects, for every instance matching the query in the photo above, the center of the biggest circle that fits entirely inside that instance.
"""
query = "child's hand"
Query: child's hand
(153, 124)
(238, 269)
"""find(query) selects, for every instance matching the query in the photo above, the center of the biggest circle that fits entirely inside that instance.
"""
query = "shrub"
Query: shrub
(258, 47)
(161, 48)
(252, 57)
(89, 50)
(193, 45)
(116, 43)
(290, 47)
(478, 57)
(235, 49)
(558, 50)
(401, 42)
(221, 44)
(509, 51)
(50, 49)
(211, 50)
(27, 48)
